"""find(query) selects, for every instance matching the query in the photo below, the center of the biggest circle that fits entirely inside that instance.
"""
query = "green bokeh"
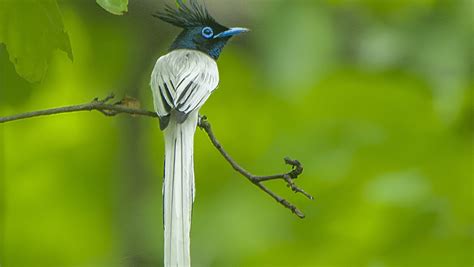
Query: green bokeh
(374, 97)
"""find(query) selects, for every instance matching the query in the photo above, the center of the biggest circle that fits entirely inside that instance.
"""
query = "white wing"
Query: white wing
(182, 81)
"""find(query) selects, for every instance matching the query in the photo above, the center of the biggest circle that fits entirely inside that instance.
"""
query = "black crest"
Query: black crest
(186, 16)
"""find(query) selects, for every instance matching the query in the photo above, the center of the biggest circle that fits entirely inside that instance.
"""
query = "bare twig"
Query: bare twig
(122, 107)
(297, 170)
(96, 104)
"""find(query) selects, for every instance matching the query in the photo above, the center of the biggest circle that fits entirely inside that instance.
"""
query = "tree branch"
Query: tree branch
(132, 107)
(96, 104)
(297, 170)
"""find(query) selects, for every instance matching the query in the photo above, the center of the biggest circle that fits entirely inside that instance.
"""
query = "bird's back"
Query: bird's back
(182, 81)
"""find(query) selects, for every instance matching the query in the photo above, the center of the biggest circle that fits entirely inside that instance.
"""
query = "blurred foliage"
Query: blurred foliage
(374, 97)
(32, 30)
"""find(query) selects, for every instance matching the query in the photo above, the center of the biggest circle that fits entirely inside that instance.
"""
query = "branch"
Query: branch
(96, 104)
(297, 170)
(131, 106)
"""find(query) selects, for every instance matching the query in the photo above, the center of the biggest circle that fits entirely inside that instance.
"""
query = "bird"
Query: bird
(181, 82)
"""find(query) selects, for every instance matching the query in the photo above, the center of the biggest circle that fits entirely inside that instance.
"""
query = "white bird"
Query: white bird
(181, 82)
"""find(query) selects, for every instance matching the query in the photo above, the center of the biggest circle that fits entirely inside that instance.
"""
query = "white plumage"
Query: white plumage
(175, 72)
(181, 82)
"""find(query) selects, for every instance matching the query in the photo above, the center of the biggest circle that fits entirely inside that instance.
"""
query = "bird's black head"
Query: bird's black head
(200, 31)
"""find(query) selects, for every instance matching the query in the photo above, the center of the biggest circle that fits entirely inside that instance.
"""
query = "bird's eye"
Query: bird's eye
(207, 32)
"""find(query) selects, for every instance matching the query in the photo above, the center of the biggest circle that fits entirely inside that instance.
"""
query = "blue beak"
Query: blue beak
(231, 32)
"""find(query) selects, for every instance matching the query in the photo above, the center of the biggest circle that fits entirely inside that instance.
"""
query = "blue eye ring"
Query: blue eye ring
(207, 32)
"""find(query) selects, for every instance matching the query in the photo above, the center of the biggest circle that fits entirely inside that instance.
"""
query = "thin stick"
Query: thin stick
(297, 170)
(122, 107)
(96, 104)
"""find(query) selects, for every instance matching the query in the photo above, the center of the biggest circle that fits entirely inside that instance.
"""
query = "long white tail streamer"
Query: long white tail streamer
(178, 190)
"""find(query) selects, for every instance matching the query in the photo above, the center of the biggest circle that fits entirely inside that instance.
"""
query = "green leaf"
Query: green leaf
(31, 31)
(116, 7)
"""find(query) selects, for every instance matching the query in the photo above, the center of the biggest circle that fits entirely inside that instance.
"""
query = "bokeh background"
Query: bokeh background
(374, 97)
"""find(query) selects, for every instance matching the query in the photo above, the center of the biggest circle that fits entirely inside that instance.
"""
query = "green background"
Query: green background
(373, 97)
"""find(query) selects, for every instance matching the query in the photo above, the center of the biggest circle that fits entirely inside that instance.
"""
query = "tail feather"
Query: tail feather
(178, 190)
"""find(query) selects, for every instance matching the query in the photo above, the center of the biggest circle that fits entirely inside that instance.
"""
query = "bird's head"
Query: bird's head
(200, 30)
